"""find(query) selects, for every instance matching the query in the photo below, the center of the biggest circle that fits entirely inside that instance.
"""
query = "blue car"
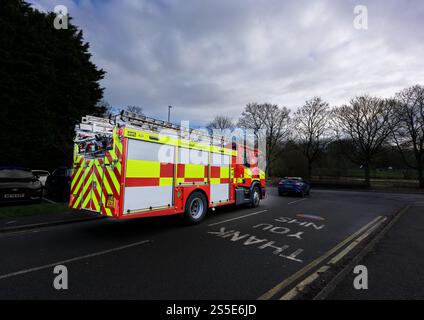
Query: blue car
(293, 185)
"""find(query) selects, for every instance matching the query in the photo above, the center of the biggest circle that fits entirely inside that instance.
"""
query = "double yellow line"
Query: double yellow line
(350, 242)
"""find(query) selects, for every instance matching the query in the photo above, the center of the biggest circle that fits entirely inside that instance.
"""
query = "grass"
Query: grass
(394, 174)
(32, 209)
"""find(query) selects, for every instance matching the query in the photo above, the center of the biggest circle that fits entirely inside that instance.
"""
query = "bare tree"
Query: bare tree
(135, 109)
(365, 122)
(408, 128)
(273, 120)
(221, 122)
(311, 127)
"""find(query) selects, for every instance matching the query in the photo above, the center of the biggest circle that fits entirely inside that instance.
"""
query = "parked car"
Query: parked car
(42, 175)
(293, 185)
(58, 184)
(19, 184)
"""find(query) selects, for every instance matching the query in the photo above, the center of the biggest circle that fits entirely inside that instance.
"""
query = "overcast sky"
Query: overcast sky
(212, 57)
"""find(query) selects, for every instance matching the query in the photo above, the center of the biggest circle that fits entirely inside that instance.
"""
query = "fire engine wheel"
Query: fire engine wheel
(256, 198)
(196, 208)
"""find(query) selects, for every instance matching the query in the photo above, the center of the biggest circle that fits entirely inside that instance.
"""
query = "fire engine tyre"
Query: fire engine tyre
(196, 208)
(256, 198)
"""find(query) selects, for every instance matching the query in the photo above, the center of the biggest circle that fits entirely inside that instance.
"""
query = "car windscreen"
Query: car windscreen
(15, 174)
(40, 173)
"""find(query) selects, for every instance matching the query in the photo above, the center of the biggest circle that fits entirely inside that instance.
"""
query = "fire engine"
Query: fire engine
(131, 166)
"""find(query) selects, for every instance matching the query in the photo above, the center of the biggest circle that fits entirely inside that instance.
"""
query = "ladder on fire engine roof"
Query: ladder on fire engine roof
(105, 126)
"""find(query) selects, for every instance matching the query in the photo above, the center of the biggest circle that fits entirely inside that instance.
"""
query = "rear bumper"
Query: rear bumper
(30, 196)
(289, 190)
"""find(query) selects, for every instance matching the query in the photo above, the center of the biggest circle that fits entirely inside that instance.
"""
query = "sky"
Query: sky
(212, 57)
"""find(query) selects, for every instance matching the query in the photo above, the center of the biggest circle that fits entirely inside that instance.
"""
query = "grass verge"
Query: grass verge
(32, 209)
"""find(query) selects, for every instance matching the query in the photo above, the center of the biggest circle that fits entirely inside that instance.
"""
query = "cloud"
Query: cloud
(212, 57)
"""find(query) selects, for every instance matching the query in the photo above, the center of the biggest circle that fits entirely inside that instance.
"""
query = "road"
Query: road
(240, 253)
(395, 266)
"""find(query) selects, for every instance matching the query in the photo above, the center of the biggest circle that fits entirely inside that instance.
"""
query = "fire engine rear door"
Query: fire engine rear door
(96, 186)
(92, 188)
(77, 183)
(87, 186)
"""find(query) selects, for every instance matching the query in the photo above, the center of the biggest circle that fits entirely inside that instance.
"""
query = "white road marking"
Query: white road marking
(240, 217)
(17, 273)
(297, 201)
(9, 222)
(48, 200)
(358, 240)
(302, 285)
(286, 282)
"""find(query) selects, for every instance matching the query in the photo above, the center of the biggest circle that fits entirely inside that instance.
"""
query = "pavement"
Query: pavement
(236, 253)
(395, 265)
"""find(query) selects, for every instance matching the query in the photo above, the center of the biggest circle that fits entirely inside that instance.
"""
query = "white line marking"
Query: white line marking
(296, 201)
(17, 273)
(302, 285)
(241, 217)
(352, 245)
(9, 222)
(48, 200)
(292, 294)
(286, 282)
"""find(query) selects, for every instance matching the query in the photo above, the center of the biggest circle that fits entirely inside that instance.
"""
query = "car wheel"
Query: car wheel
(196, 208)
(280, 193)
(256, 198)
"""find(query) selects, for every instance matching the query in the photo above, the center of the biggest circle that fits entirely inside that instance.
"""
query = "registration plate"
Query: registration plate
(14, 195)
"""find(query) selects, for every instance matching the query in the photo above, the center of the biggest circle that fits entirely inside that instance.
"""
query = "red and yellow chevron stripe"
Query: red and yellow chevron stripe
(96, 183)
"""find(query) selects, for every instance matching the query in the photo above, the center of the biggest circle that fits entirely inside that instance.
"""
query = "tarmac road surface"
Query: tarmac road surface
(236, 253)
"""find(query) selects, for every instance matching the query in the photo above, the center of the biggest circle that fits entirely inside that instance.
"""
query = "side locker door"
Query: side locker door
(220, 178)
(149, 176)
(77, 183)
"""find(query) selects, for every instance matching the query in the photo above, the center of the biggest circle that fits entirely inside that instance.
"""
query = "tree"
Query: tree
(220, 122)
(47, 83)
(365, 123)
(273, 120)
(311, 127)
(104, 105)
(408, 128)
(135, 109)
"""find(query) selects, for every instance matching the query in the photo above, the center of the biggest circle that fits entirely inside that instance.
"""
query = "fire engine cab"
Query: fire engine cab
(131, 166)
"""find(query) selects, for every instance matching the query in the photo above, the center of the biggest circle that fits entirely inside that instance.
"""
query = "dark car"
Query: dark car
(293, 185)
(58, 184)
(19, 184)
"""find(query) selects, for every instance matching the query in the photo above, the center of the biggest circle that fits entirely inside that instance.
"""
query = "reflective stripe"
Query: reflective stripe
(143, 169)
(95, 179)
(194, 171)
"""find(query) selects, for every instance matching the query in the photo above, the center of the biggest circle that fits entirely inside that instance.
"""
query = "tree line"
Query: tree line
(47, 82)
(363, 130)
